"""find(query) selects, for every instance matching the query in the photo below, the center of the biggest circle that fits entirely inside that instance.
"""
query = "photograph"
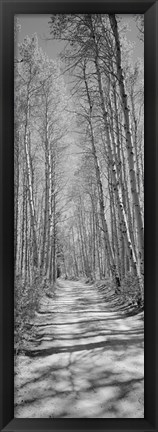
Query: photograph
(79, 215)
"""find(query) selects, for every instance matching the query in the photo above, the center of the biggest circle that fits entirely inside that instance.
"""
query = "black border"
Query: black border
(7, 11)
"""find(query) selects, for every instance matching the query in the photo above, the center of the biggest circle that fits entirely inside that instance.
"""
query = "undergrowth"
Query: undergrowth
(26, 303)
(129, 292)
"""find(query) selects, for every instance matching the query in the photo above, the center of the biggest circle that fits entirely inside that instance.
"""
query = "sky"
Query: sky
(31, 24)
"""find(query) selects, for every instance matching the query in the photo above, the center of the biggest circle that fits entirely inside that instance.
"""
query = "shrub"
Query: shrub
(26, 301)
(130, 288)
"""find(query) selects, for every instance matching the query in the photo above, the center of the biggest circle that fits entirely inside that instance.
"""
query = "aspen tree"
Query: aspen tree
(110, 256)
(129, 142)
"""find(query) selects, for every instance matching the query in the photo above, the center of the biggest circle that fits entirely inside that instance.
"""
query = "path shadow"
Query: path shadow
(87, 362)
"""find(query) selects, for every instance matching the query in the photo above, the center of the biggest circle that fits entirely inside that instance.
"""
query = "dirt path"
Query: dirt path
(87, 360)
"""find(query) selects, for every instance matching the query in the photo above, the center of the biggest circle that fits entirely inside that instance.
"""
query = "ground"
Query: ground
(86, 359)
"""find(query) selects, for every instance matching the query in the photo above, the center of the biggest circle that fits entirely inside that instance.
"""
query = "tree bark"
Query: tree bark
(129, 143)
(29, 178)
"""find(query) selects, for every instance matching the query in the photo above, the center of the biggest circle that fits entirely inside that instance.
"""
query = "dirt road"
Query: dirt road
(86, 361)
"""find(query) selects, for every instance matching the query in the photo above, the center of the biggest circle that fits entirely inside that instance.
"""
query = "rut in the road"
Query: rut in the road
(86, 359)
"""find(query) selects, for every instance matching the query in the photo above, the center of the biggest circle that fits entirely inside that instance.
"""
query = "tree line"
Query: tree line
(108, 93)
(101, 233)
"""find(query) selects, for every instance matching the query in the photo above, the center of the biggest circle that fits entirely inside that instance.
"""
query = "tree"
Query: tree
(92, 43)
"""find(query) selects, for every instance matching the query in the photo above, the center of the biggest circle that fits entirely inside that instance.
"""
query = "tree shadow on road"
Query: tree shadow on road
(92, 381)
(82, 362)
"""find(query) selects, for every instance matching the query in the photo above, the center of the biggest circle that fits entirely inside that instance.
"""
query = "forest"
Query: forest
(78, 171)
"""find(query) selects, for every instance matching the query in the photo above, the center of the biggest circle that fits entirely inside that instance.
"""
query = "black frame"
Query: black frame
(7, 11)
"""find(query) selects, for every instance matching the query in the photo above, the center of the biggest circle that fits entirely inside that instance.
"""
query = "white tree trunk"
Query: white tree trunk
(29, 177)
(129, 143)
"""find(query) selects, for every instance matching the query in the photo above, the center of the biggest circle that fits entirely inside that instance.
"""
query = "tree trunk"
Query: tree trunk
(110, 256)
(16, 199)
(129, 143)
(74, 251)
(116, 186)
(29, 178)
